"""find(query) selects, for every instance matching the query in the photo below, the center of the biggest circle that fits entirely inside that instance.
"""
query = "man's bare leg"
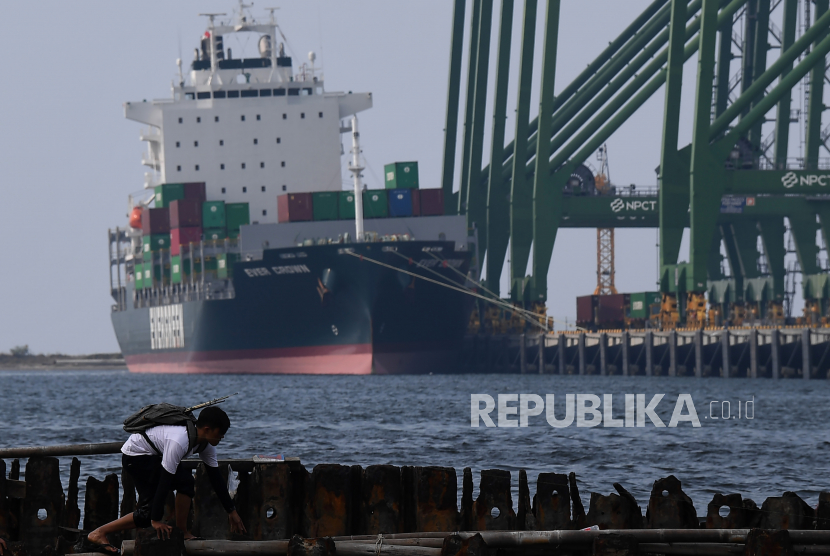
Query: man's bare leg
(99, 535)
(182, 510)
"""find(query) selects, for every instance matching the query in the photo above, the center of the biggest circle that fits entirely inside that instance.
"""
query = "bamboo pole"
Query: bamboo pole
(62, 450)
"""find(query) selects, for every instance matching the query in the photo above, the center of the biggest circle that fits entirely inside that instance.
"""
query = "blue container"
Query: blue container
(400, 202)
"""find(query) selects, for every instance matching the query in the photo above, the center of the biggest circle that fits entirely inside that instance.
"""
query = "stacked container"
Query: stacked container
(401, 175)
(295, 207)
(236, 216)
(324, 205)
(213, 220)
(345, 209)
(375, 203)
(404, 202)
(431, 202)
(167, 193)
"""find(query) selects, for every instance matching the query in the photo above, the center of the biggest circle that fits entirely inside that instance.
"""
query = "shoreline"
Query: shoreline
(60, 361)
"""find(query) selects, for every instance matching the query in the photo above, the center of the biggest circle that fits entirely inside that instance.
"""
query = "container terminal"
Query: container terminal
(757, 218)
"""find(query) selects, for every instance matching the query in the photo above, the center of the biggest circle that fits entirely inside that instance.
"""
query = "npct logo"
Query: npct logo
(789, 180)
(617, 205)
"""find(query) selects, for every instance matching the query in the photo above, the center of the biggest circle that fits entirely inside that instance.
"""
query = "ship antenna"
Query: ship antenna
(273, 20)
(355, 168)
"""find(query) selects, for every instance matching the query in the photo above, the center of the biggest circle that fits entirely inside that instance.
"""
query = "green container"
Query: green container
(138, 275)
(213, 214)
(167, 193)
(375, 203)
(325, 205)
(233, 234)
(345, 208)
(224, 265)
(640, 304)
(154, 243)
(236, 215)
(215, 234)
(401, 175)
(179, 269)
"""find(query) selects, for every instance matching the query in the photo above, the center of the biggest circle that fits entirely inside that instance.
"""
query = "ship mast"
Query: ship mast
(355, 168)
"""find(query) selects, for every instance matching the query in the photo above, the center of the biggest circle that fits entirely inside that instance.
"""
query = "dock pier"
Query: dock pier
(802, 353)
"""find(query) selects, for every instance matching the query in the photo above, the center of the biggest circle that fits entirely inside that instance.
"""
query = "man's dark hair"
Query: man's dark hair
(214, 418)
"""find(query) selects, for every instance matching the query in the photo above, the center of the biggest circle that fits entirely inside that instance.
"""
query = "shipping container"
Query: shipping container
(215, 234)
(375, 203)
(345, 210)
(224, 265)
(155, 221)
(183, 236)
(185, 213)
(432, 202)
(325, 205)
(295, 207)
(401, 175)
(233, 234)
(176, 270)
(167, 193)
(154, 243)
(611, 310)
(237, 215)
(138, 276)
(213, 214)
(195, 191)
(586, 310)
(640, 303)
(400, 202)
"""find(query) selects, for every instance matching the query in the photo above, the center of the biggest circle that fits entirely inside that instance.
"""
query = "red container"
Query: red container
(294, 207)
(416, 202)
(195, 191)
(611, 310)
(155, 221)
(431, 202)
(186, 213)
(183, 236)
(585, 310)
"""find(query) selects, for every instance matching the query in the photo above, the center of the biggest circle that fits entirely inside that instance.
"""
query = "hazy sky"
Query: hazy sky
(69, 158)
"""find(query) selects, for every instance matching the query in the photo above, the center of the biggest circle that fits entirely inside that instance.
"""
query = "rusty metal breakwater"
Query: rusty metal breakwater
(280, 500)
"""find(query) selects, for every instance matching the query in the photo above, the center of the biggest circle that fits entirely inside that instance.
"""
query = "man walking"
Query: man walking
(152, 459)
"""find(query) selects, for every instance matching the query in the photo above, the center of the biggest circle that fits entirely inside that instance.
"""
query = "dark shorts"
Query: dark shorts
(146, 473)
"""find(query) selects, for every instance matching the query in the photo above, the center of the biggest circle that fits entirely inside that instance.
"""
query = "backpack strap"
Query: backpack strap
(150, 442)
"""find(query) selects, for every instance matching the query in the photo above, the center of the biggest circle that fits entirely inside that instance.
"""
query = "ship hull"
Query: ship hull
(329, 309)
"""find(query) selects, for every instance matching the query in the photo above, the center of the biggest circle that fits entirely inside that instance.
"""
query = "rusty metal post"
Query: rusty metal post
(648, 345)
(753, 353)
(806, 364)
(209, 517)
(672, 510)
(625, 341)
(266, 504)
(562, 343)
(768, 543)
(553, 502)
(724, 351)
(43, 492)
(100, 501)
(581, 348)
(466, 517)
(525, 518)
(615, 511)
(431, 494)
(775, 353)
(329, 501)
(786, 512)
(698, 353)
(71, 512)
(382, 500)
(493, 509)
(603, 347)
(673, 353)
(523, 354)
(5, 525)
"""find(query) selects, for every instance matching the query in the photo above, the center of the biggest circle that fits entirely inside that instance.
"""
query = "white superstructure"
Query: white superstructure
(250, 128)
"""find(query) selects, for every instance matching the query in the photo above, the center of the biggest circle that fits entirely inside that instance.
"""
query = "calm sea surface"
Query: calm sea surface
(425, 420)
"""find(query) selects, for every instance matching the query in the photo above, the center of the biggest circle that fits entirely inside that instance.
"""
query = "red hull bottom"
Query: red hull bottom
(344, 360)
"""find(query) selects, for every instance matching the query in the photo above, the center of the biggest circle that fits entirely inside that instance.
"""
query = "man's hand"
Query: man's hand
(162, 529)
(236, 523)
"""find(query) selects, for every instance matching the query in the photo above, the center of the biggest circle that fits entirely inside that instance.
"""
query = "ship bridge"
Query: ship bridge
(250, 128)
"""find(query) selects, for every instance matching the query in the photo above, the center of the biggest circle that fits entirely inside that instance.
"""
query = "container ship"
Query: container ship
(245, 255)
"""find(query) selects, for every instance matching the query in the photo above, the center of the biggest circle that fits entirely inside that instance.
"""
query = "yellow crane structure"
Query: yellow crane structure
(605, 236)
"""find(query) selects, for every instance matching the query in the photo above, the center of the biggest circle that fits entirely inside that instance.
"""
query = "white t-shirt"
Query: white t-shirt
(172, 440)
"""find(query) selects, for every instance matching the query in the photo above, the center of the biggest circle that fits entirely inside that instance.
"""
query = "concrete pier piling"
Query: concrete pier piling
(710, 353)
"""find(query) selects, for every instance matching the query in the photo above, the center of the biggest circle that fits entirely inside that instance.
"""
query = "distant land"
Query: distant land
(58, 361)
